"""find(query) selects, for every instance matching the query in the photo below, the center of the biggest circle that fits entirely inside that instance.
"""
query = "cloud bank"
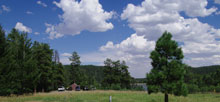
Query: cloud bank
(149, 20)
(79, 16)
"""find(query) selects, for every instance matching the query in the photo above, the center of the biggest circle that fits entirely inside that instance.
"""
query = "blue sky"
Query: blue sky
(49, 14)
(118, 29)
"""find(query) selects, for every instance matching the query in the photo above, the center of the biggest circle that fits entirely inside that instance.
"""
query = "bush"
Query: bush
(217, 88)
(115, 87)
(137, 88)
(204, 89)
(192, 88)
(211, 88)
(207, 89)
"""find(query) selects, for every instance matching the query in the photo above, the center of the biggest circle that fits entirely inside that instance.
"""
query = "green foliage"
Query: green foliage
(43, 56)
(116, 73)
(26, 67)
(18, 67)
(167, 74)
(205, 69)
(3, 75)
(217, 88)
(137, 88)
(94, 75)
(198, 81)
(2, 42)
(75, 59)
(77, 75)
(58, 75)
(115, 87)
(192, 88)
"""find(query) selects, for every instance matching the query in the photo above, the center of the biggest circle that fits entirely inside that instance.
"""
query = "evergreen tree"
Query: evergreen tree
(2, 42)
(18, 65)
(76, 74)
(58, 75)
(25, 68)
(116, 74)
(125, 76)
(43, 56)
(16, 52)
(3, 77)
(28, 65)
(216, 78)
(167, 74)
(75, 59)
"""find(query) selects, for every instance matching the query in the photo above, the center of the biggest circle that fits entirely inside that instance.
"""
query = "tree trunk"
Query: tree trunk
(42, 89)
(166, 97)
(35, 90)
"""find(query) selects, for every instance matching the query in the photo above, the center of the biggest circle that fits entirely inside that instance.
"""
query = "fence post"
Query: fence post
(110, 99)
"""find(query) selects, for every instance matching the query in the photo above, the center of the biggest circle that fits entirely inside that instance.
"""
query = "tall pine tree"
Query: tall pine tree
(167, 74)
(18, 64)
(74, 70)
(43, 57)
(3, 89)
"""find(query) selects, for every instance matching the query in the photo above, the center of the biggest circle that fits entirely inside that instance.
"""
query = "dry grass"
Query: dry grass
(103, 96)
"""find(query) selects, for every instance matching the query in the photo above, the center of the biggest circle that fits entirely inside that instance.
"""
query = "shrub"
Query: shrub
(137, 88)
(217, 88)
(192, 88)
(115, 87)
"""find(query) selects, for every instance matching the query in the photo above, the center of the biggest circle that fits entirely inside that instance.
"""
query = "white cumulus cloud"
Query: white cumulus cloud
(135, 50)
(19, 26)
(78, 16)
(152, 18)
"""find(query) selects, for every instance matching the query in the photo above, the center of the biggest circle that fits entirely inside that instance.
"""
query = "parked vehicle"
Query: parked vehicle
(85, 88)
(77, 88)
(61, 88)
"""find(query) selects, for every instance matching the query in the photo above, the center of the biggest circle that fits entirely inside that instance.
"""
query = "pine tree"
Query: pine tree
(43, 55)
(18, 66)
(125, 76)
(13, 72)
(75, 71)
(116, 74)
(2, 42)
(58, 75)
(3, 77)
(167, 74)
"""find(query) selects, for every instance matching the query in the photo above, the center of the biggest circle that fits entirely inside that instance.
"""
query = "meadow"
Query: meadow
(103, 96)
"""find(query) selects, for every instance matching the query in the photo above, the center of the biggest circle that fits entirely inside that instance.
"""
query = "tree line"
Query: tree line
(114, 74)
(198, 80)
(26, 66)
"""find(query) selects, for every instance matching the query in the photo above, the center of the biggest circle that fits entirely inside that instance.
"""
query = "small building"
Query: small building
(73, 86)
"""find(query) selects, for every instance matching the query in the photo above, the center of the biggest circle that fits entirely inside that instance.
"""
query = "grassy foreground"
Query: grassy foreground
(103, 96)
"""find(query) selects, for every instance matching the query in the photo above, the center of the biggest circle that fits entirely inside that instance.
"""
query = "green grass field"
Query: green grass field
(103, 96)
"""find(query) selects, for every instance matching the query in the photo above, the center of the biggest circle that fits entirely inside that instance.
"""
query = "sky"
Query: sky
(118, 29)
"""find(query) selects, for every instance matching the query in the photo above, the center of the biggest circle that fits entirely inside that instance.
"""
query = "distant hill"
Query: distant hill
(205, 69)
(97, 71)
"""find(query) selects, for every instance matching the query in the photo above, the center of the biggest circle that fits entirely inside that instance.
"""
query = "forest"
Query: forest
(28, 66)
